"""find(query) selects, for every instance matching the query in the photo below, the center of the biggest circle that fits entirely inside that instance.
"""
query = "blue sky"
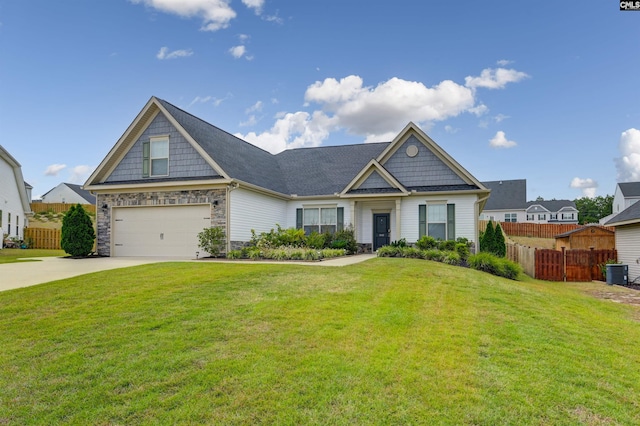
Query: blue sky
(545, 91)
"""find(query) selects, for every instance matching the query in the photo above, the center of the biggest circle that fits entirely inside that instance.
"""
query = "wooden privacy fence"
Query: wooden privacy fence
(571, 265)
(536, 230)
(525, 256)
(42, 238)
(59, 207)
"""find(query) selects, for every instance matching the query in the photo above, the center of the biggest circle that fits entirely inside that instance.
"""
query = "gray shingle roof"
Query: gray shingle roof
(631, 213)
(507, 194)
(257, 167)
(553, 205)
(304, 171)
(630, 189)
(91, 199)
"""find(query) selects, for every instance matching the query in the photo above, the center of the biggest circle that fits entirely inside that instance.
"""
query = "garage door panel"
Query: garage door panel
(159, 231)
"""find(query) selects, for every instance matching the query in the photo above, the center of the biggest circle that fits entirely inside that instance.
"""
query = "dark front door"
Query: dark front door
(380, 230)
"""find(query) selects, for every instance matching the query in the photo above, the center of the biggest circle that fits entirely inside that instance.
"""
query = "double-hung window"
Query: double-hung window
(320, 219)
(510, 217)
(437, 220)
(542, 217)
(155, 156)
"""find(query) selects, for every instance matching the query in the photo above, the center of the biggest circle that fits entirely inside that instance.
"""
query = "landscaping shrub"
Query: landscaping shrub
(349, 237)
(426, 243)
(329, 253)
(451, 258)
(212, 240)
(402, 242)
(488, 238)
(432, 254)
(388, 251)
(499, 247)
(494, 265)
(463, 251)
(77, 232)
(447, 245)
(410, 252)
(235, 254)
(316, 240)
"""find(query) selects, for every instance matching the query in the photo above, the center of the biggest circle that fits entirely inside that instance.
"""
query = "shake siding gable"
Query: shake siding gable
(374, 181)
(184, 160)
(424, 169)
(251, 210)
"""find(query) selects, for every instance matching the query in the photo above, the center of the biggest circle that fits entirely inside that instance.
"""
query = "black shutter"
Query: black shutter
(298, 218)
(422, 220)
(340, 214)
(451, 221)
(145, 159)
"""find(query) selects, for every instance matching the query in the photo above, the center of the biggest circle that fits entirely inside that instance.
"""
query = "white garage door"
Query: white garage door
(159, 231)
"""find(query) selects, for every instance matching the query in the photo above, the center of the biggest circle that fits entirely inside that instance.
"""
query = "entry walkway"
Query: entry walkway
(25, 274)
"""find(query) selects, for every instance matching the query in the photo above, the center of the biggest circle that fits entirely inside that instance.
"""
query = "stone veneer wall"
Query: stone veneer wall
(168, 198)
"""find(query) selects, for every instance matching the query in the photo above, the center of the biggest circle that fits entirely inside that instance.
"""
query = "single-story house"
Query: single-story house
(69, 193)
(508, 201)
(588, 237)
(172, 174)
(14, 198)
(627, 226)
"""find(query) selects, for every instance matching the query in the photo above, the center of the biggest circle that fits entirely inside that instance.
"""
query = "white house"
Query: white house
(172, 174)
(14, 198)
(626, 194)
(627, 226)
(69, 193)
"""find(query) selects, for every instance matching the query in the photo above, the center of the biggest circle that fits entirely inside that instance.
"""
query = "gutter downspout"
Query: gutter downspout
(476, 209)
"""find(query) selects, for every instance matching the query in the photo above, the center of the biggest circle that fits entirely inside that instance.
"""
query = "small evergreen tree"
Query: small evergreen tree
(212, 240)
(77, 232)
(500, 247)
(487, 242)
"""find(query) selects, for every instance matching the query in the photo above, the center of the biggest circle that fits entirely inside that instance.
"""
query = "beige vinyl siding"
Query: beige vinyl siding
(366, 211)
(628, 246)
(252, 210)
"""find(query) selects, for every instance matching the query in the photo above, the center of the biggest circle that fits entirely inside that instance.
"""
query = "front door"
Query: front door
(380, 230)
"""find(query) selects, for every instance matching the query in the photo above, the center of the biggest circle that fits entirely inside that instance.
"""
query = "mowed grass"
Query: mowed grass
(388, 341)
(18, 255)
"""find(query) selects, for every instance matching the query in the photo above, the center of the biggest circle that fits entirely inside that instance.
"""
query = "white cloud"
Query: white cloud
(200, 100)
(495, 78)
(54, 169)
(504, 62)
(628, 165)
(79, 174)
(500, 117)
(254, 108)
(450, 129)
(256, 5)
(376, 113)
(164, 53)
(501, 141)
(588, 186)
(215, 14)
(237, 51)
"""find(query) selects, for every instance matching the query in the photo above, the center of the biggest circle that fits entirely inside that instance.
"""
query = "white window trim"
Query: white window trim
(446, 224)
(319, 207)
(153, 139)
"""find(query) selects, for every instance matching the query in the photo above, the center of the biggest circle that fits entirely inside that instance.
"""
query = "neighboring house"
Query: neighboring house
(508, 201)
(553, 211)
(172, 174)
(14, 198)
(627, 225)
(70, 194)
(588, 237)
(626, 194)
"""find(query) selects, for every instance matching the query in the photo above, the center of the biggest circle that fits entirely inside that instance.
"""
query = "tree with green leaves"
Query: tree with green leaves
(591, 210)
(78, 234)
(500, 247)
(488, 238)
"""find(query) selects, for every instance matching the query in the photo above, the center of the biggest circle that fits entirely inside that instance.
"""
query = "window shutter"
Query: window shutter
(422, 220)
(145, 159)
(298, 218)
(451, 221)
(340, 214)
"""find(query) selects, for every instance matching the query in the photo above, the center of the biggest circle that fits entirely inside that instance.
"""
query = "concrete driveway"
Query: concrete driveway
(25, 274)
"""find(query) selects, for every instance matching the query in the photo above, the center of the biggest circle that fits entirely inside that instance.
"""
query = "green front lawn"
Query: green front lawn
(389, 341)
(16, 255)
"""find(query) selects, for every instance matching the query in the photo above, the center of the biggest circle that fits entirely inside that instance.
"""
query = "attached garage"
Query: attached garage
(159, 230)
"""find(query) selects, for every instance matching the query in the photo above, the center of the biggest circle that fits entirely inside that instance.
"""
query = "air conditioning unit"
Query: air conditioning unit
(617, 274)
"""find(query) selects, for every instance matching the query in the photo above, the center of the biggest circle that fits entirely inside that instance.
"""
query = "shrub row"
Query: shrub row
(285, 253)
(292, 237)
(482, 261)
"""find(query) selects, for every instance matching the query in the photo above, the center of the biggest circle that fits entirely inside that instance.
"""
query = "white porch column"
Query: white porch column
(398, 227)
(352, 207)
